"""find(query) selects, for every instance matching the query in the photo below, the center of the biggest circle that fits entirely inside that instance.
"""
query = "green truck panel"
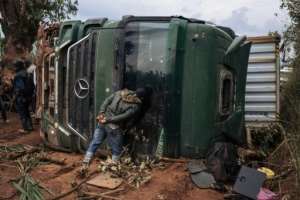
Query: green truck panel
(197, 71)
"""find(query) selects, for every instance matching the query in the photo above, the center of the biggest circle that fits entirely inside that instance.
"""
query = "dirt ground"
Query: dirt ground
(171, 183)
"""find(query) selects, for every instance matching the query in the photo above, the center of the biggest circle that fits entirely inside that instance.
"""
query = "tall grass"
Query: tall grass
(290, 113)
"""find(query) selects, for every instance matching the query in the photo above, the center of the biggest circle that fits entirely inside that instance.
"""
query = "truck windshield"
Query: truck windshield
(146, 65)
(145, 50)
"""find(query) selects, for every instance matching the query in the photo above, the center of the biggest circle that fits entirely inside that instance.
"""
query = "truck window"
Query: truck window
(226, 94)
(145, 50)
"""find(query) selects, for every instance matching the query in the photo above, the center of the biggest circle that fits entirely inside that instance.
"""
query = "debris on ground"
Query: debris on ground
(74, 188)
(204, 180)
(105, 180)
(200, 175)
(27, 153)
(26, 158)
(134, 173)
(196, 166)
(268, 172)
(94, 195)
(249, 182)
(28, 188)
(266, 194)
(55, 173)
(255, 172)
(15, 151)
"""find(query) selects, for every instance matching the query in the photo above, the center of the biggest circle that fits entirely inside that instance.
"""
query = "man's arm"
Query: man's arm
(124, 116)
(106, 102)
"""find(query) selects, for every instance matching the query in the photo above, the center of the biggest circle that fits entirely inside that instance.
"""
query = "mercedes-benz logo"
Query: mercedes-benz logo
(81, 88)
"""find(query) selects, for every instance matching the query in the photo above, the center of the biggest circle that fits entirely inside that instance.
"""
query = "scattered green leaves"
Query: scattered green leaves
(28, 188)
(134, 172)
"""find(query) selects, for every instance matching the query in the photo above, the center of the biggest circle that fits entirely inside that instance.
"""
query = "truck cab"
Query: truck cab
(197, 72)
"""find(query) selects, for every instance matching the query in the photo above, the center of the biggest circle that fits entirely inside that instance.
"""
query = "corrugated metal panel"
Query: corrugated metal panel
(262, 89)
(258, 48)
(261, 67)
(261, 57)
(285, 72)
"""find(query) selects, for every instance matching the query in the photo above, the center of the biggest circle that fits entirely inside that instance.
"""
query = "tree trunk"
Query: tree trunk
(18, 28)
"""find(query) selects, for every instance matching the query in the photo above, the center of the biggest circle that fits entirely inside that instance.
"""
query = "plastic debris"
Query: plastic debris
(203, 179)
(249, 182)
(269, 173)
(266, 194)
(196, 166)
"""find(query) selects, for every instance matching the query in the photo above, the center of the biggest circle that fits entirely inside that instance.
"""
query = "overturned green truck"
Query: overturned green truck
(197, 72)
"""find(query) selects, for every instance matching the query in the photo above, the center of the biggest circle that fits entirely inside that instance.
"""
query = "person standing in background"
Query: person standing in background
(23, 90)
(31, 71)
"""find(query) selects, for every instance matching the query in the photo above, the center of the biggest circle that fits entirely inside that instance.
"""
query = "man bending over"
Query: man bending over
(116, 111)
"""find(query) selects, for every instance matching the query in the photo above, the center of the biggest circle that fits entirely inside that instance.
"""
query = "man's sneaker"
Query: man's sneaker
(86, 160)
(84, 169)
(22, 131)
(29, 129)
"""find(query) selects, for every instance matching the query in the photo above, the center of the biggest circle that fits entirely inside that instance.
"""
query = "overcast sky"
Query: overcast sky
(250, 17)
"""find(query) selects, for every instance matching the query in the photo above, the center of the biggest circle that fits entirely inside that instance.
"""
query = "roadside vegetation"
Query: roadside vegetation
(290, 106)
(20, 21)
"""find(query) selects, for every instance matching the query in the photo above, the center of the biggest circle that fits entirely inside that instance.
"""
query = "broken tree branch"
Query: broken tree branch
(74, 188)
(31, 151)
(278, 147)
(165, 159)
(52, 160)
(101, 195)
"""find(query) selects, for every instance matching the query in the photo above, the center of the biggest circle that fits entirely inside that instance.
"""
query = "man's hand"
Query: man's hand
(101, 118)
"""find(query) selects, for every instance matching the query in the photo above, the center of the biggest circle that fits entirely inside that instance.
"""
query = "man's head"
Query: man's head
(143, 92)
(19, 65)
(27, 63)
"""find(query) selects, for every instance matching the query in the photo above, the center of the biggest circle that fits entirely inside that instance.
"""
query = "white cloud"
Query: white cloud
(244, 16)
(238, 21)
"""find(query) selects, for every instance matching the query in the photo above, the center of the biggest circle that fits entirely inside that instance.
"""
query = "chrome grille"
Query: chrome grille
(80, 77)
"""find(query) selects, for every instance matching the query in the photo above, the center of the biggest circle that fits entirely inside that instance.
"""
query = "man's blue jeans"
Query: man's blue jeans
(114, 139)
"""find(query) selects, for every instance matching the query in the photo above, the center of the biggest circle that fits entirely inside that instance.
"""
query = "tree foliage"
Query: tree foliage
(290, 111)
(292, 34)
(291, 90)
(20, 19)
